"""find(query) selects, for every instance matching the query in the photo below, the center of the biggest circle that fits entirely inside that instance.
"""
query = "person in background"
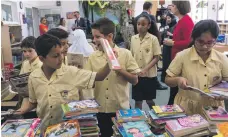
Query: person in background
(146, 49)
(112, 93)
(43, 26)
(181, 34)
(62, 24)
(166, 51)
(199, 66)
(63, 36)
(147, 8)
(80, 23)
(30, 63)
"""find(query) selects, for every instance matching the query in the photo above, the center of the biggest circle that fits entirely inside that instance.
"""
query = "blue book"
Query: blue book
(131, 113)
(155, 117)
(135, 129)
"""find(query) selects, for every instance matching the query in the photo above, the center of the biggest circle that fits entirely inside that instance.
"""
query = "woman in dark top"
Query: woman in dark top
(166, 52)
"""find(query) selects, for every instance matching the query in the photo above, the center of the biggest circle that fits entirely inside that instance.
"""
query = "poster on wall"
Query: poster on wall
(70, 15)
(221, 10)
(201, 7)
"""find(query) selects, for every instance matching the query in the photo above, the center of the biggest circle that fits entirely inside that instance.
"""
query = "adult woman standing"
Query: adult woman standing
(181, 34)
(166, 52)
(199, 66)
(62, 24)
(43, 26)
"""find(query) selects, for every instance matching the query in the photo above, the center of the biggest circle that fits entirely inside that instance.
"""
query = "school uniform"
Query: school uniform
(112, 93)
(29, 67)
(62, 87)
(200, 74)
(65, 61)
(143, 52)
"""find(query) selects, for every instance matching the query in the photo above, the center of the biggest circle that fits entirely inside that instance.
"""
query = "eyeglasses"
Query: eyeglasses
(202, 43)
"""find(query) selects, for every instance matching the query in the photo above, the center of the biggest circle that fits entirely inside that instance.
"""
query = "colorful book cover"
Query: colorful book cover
(137, 129)
(223, 86)
(130, 113)
(166, 109)
(79, 105)
(16, 128)
(216, 113)
(223, 128)
(188, 122)
(65, 129)
(154, 116)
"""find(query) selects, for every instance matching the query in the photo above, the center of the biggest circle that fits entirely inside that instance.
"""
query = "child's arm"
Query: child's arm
(26, 107)
(103, 73)
(132, 78)
(150, 65)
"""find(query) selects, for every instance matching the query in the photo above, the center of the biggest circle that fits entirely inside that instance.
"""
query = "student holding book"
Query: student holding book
(54, 83)
(199, 66)
(146, 49)
(112, 93)
(30, 63)
(63, 37)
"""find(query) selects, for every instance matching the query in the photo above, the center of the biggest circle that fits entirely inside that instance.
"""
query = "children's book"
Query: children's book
(130, 113)
(223, 86)
(223, 128)
(65, 129)
(76, 108)
(20, 128)
(168, 109)
(136, 129)
(186, 125)
(216, 113)
(154, 116)
(75, 60)
(112, 60)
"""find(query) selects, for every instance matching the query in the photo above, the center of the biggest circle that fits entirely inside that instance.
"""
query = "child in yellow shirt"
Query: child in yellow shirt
(54, 83)
(145, 49)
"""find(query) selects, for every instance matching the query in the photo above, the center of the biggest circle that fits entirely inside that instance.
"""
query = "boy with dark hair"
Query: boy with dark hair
(113, 93)
(62, 35)
(54, 84)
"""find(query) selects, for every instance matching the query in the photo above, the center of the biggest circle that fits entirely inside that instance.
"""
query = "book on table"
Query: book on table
(130, 115)
(186, 125)
(166, 110)
(216, 113)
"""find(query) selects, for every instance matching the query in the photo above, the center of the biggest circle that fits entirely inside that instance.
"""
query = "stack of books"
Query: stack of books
(65, 129)
(160, 114)
(190, 126)
(214, 116)
(20, 127)
(85, 112)
(131, 123)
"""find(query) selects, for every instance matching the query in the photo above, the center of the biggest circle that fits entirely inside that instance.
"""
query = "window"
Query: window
(6, 13)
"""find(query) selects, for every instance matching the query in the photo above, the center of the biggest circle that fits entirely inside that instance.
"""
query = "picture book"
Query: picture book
(186, 125)
(130, 113)
(154, 116)
(80, 106)
(75, 60)
(20, 83)
(206, 92)
(19, 128)
(168, 109)
(65, 129)
(137, 129)
(112, 60)
(216, 113)
(223, 128)
(223, 86)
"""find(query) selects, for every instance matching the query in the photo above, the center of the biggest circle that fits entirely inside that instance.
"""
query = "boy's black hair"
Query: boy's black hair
(153, 28)
(28, 42)
(59, 33)
(147, 5)
(105, 26)
(202, 27)
(45, 43)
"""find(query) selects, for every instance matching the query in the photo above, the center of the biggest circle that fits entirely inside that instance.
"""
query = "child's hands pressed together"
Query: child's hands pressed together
(142, 73)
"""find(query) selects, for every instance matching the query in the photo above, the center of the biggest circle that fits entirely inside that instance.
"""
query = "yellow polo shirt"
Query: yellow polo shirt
(144, 51)
(200, 74)
(112, 93)
(27, 67)
(62, 87)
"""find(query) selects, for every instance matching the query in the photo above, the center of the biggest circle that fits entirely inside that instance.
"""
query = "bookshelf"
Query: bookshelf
(223, 28)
